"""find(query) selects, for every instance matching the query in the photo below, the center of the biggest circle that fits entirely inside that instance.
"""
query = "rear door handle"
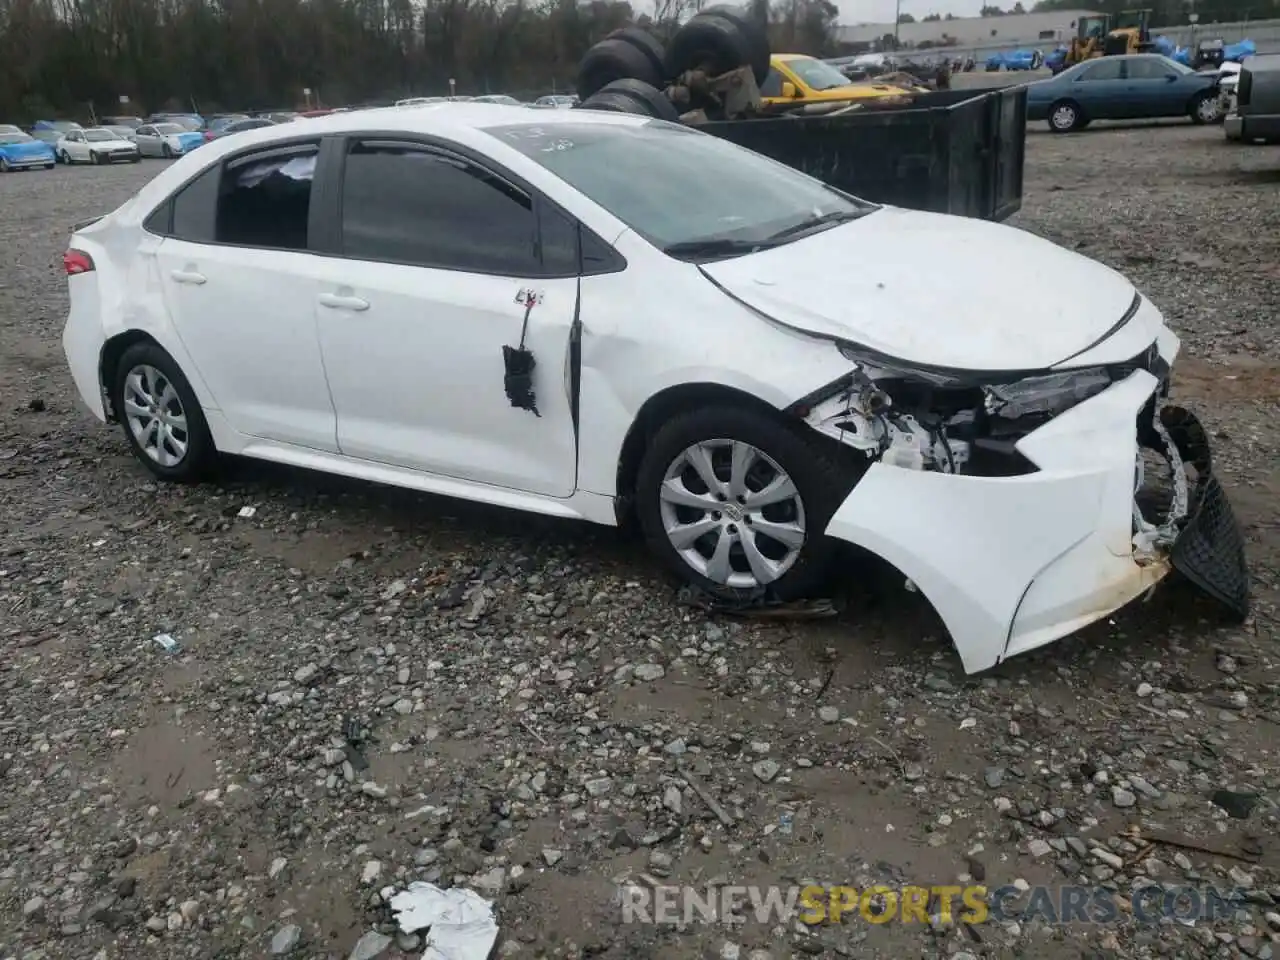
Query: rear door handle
(335, 302)
(187, 276)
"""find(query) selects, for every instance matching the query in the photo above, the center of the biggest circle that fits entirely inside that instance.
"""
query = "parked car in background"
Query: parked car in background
(498, 98)
(57, 126)
(220, 120)
(1123, 87)
(10, 128)
(248, 123)
(20, 151)
(50, 137)
(132, 123)
(96, 145)
(166, 139)
(557, 101)
(277, 116)
(188, 121)
(124, 133)
(1256, 118)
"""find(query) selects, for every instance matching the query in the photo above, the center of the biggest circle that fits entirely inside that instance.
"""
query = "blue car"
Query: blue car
(1133, 87)
(1015, 60)
(20, 151)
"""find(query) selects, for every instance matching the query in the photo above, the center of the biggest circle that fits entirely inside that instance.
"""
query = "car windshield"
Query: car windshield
(817, 75)
(169, 128)
(227, 121)
(8, 138)
(697, 190)
(65, 126)
(98, 136)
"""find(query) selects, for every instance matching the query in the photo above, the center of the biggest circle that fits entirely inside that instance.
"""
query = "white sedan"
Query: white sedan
(95, 145)
(598, 316)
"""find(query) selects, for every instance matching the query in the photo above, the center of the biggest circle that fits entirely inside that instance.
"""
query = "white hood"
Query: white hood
(935, 290)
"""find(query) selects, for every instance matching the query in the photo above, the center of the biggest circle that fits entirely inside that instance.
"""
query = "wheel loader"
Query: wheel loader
(1106, 36)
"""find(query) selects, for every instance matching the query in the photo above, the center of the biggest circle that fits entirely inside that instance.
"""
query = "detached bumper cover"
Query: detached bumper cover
(1014, 563)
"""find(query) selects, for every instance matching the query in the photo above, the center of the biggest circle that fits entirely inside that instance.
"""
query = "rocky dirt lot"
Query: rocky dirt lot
(373, 686)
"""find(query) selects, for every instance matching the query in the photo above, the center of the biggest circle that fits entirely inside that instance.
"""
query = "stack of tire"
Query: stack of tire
(628, 71)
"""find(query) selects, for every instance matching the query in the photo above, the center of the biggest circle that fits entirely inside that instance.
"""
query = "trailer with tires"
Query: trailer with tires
(947, 151)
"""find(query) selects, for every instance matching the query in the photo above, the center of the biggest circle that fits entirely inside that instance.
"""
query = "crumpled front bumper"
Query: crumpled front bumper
(1013, 563)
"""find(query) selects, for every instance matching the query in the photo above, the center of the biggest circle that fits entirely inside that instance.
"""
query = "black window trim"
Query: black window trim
(329, 234)
(293, 145)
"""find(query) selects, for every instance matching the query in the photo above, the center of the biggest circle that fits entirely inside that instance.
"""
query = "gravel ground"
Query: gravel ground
(374, 686)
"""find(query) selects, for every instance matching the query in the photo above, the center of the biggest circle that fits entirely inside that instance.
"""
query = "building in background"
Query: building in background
(1011, 28)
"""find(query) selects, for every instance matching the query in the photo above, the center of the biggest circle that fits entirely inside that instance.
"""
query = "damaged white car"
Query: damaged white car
(596, 316)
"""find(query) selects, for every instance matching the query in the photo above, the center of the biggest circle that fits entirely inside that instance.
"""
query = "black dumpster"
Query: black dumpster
(951, 151)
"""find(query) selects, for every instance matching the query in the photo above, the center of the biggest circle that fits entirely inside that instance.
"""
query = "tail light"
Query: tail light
(76, 262)
(208, 135)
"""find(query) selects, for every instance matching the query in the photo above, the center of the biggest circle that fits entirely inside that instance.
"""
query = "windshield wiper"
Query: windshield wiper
(714, 247)
(812, 223)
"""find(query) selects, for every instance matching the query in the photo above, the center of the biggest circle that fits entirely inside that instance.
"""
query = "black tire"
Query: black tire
(166, 151)
(632, 96)
(646, 43)
(707, 42)
(135, 159)
(64, 157)
(50, 166)
(201, 455)
(611, 60)
(94, 159)
(1065, 116)
(1197, 104)
(4, 165)
(821, 482)
(757, 39)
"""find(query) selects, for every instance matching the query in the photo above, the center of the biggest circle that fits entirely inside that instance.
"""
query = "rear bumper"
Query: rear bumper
(82, 341)
(1014, 563)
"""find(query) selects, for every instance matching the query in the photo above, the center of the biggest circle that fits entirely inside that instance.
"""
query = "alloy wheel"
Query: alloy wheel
(1064, 118)
(1207, 109)
(732, 513)
(153, 410)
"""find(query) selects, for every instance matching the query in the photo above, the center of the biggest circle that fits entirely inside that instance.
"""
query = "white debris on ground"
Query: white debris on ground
(459, 922)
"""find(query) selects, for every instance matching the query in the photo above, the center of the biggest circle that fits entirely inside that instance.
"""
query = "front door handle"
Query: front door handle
(335, 302)
(187, 276)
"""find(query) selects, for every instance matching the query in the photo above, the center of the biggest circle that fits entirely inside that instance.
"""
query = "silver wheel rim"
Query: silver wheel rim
(1208, 110)
(732, 513)
(1064, 118)
(155, 415)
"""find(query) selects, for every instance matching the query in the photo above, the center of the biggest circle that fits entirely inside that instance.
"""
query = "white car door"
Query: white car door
(437, 258)
(241, 287)
(75, 147)
(148, 142)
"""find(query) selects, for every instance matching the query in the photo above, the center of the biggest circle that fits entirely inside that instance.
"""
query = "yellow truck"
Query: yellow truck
(801, 80)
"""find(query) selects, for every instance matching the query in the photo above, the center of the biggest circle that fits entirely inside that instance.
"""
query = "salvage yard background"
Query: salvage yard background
(539, 686)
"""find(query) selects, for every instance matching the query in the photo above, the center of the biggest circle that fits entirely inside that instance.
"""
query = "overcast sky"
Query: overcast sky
(881, 11)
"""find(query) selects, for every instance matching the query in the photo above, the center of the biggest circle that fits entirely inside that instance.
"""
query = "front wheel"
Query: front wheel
(4, 165)
(64, 157)
(95, 159)
(736, 502)
(166, 152)
(1205, 109)
(161, 416)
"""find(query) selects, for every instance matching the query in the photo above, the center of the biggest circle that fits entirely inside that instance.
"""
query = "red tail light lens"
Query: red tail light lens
(77, 261)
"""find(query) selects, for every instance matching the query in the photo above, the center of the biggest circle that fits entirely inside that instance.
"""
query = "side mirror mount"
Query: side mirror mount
(789, 90)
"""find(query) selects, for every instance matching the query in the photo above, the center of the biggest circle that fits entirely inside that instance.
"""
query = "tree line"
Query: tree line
(66, 58)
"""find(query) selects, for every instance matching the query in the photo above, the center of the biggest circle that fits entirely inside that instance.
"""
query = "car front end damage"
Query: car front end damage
(1025, 506)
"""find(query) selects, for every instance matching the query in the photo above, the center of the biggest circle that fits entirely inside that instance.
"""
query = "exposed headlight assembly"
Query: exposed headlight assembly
(1045, 396)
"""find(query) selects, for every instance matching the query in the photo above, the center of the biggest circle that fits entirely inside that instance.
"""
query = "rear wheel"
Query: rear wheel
(161, 416)
(1064, 116)
(736, 502)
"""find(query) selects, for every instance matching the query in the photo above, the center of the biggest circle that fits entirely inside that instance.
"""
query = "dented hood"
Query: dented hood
(934, 290)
